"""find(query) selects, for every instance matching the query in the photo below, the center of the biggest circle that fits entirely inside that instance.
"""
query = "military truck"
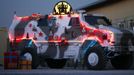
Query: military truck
(66, 34)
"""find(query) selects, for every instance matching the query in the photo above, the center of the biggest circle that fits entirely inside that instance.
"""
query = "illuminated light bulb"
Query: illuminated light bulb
(63, 38)
(49, 17)
(55, 37)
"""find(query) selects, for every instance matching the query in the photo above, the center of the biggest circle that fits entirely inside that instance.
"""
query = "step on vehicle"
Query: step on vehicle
(66, 34)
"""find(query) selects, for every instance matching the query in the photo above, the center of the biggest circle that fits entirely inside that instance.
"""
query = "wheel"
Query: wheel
(31, 55)
(127, 41)
(131, 45)
(132, 40)
(95, 59)
(56, 63)
(122, 61)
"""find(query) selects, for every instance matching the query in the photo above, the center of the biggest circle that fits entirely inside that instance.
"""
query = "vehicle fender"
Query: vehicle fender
(88, 44)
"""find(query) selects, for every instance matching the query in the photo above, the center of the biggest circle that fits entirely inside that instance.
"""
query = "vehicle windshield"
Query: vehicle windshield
(97, 20)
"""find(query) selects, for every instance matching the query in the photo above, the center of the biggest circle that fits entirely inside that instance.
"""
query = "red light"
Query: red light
(89, 33)
(26, 18)
(49, 17)
(97, 34)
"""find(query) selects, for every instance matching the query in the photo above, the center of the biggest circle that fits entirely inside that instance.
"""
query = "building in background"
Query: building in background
(3, 43)
(121, 12)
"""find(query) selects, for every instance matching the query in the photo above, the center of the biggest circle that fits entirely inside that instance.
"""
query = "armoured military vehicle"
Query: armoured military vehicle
(66, 34)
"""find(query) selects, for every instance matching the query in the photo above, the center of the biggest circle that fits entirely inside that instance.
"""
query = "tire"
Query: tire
(33, 52)
(95, 59)
(122, 61)
(56, 63)
(125, 40)
(132, 40)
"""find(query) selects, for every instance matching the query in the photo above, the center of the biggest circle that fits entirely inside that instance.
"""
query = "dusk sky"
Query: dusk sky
(27, 7)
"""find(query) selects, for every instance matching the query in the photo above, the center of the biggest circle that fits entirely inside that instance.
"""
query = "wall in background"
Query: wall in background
(3, 43)
(120, 12)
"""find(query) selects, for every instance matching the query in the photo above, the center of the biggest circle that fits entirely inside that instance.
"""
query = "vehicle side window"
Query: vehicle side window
(97, 20)
(52, 21)
(74, 21)
(92, 20)
(43, 21)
